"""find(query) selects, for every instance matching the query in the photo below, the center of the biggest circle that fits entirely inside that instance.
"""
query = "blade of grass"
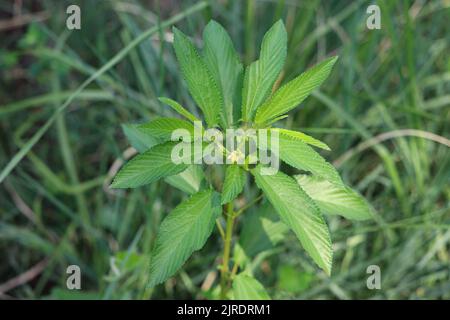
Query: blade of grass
(111, 63)
(87, 95)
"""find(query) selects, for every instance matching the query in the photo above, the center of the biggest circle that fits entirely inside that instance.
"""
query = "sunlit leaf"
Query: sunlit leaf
(299, 212)
(223, 62)
(261, 74)
(147, 167)
(162, 128)
(302, 137)
(335, 199)
(201, 83)
(178, 108)
(294, 92)
(301, 156)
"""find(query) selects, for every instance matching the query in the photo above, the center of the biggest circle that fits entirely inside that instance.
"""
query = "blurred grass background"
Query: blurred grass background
(384, 112)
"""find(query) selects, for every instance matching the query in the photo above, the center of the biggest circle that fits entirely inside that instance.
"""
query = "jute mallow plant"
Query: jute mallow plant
(231, 97)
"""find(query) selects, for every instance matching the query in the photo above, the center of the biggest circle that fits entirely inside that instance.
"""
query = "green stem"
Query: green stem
(225, 271)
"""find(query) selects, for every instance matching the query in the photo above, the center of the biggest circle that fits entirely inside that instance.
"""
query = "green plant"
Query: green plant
(214, 80)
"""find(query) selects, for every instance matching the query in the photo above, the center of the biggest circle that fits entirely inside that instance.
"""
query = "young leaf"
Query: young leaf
(302, 137)
(234, 182)
(182, 232)
(189, 180)
(223, 63)
(246, 287)
(299, 212)
(201, 83)
(162, 128)
(261, 74)
(294, 92)
(148, 167)
(284, 116)
(335, 200)
(298, 154)
(178, 108)
(139, 140)
(240, 257)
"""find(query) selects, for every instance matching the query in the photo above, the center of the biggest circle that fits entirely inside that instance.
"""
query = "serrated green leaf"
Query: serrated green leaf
(139, 140)
(262, 74)
(201, 83)
(284, 116)
(246, 287)
(148, 167)
(178, 108)
(299, 212)
(298, 154)
(189, 180)
(223, 63)
(162, 128)
(294, 92)
(302, 137)
(234, 182)
(182, 232)
(335, 200)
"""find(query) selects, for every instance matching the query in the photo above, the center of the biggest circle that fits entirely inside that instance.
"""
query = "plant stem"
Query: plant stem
(219, 226)
(224, 275)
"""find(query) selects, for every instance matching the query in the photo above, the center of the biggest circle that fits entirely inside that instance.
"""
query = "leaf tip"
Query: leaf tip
(162, 100)
(333, 59)
(212, 23)
(115, 184)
